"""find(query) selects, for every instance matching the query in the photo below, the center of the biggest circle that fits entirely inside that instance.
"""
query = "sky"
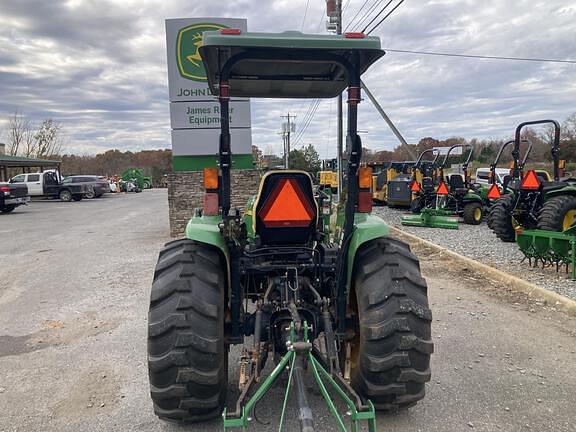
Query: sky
(99, 68)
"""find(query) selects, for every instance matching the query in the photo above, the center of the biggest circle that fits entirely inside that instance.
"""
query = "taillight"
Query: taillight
(365, 202)
(354, 35)
(230, 31)
(5, 189)
(211, 204)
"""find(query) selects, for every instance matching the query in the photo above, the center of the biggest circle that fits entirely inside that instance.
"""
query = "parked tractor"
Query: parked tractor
(347, 304)
(496, 189)
(455, 196)
(136, 176)
(533, 203)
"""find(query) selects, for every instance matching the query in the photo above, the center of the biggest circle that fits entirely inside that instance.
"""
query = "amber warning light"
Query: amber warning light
(287, 206)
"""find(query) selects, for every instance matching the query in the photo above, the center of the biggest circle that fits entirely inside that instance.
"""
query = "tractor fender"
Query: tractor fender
(472, 197)
(568, 190)
(366, 227)
(205, 229)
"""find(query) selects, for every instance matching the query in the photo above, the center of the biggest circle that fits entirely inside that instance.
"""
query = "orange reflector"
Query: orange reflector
(364, 202)
(415, 187)
(530, 181)
(287, 206)
(442, 189)
(210, 178)
(494, 192)
(365, 177)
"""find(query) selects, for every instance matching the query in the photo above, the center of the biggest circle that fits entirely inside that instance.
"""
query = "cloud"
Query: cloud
(99, 68)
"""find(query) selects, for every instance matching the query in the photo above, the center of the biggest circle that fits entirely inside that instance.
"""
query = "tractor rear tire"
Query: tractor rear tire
(391, 354)
(187, 356)
(502, 221)
(472, 213)
(558, 213)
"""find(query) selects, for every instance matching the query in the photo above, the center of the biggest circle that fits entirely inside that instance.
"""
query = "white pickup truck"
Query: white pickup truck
(49, 184)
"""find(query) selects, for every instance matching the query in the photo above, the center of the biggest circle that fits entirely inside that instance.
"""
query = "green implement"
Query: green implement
(549, 247)
(431, 218)
(302, 351)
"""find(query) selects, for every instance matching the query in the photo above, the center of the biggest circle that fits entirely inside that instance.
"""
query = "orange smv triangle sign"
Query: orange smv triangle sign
(494, 192)
(288, 207)
(442, 189)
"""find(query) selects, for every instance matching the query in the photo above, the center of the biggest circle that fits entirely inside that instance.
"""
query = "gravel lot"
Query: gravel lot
(480, 243)
(74, 290)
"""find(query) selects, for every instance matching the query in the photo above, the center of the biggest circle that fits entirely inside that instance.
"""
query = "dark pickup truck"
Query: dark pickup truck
(12, 195)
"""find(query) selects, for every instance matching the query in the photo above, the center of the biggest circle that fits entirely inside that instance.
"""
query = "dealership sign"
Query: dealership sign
(194, 111)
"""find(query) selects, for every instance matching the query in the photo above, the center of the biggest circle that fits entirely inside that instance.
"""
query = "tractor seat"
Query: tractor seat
(457, 185)
(286, 212)
(427, 184)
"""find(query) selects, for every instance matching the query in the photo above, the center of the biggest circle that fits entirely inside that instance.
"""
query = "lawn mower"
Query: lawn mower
(454, 197)
(531, 202)
(345, 303)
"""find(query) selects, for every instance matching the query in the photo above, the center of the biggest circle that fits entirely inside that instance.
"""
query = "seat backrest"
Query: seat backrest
(456, 182)
(285, 209)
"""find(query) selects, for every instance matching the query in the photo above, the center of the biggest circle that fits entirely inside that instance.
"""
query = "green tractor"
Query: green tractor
(345, 303)
(495, 191)
(531, 202)
(424, 181)
(136, 176)
(454, 197)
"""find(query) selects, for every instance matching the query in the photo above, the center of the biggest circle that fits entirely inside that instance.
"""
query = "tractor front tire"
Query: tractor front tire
(187, 356)
(472, 213)
(558, 213)
(391, 354)
(501, 221)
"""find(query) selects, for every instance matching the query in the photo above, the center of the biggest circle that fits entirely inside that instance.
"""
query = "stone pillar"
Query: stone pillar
(185, 193)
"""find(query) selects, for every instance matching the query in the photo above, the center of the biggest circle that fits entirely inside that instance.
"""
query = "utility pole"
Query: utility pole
(388, 121)
(287, 129)
(334, 12)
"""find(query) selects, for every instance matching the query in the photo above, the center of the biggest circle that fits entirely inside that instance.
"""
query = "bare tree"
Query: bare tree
(20, 135)
(49, 139)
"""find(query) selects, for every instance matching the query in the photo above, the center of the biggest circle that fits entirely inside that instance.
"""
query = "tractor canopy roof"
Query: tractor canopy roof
(285, 65)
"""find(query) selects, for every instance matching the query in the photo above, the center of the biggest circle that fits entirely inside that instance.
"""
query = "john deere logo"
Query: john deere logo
(188, 44)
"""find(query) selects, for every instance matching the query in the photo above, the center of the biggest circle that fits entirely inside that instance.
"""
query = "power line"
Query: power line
(529, 59)
(302, 131)
(357, 13)
(386, 16)
(376, 16)
(305, 13)
(372, 8)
